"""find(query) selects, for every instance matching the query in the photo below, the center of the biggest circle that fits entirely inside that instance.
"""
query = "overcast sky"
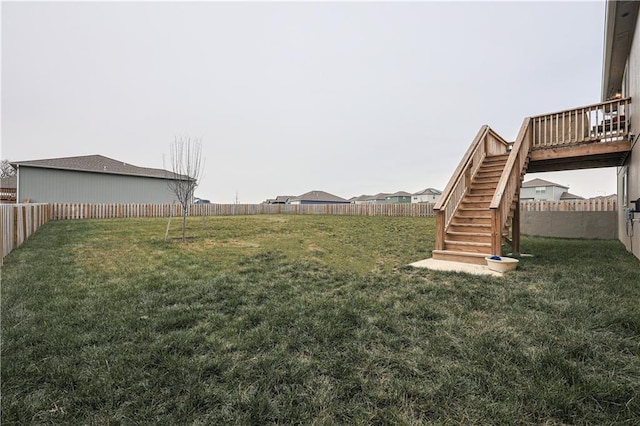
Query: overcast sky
(350, 98)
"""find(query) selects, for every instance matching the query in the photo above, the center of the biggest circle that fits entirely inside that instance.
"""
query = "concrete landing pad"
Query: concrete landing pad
(444, 265)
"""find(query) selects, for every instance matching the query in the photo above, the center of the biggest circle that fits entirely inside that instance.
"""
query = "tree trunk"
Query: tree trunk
(184, 224)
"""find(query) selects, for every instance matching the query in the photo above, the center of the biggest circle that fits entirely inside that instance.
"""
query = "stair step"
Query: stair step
(468, 247)
(464, 211)
(498, 157)
(457, 220)
(491, 168)
(468, 234)
(459, 256)
(486, 174)
(481, 191)
(489, 179)
(482, 228)
(468, 237)
(475, 205)
(474, 198)
(483, 185)
(469, 227)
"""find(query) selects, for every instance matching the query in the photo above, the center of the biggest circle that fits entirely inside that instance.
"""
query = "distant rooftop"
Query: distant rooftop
(95, 164)
(429, 191)
(318, 196)
(541, 182)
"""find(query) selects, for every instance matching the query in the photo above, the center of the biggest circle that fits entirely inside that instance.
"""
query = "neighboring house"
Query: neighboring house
(362, 199)
(621, 77)
(91, 179)
(399, 197)
(317, 197)
(429, 195)
(8, 189)
(542, 190)
(378, 198)
(612, 197)
(280, 199)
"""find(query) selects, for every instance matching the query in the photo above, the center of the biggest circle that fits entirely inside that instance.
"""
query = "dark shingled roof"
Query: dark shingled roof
(541, 182)
(96, 164)
(429, 191)
(319, 196)
(399, 194)
(569, 196)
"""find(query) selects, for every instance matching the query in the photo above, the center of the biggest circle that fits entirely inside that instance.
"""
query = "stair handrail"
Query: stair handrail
(508, 187)
(453, 192)
(458, 174)
(486, 142)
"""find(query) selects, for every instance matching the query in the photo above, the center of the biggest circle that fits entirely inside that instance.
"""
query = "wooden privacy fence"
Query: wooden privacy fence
(19, 221)
(107, 211)
(593, 205)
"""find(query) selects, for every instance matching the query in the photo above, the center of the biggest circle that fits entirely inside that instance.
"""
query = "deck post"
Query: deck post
(440, 229)
(496, 233)
(515, 230)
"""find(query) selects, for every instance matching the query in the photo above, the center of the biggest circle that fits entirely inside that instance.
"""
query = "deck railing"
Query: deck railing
(508, 189)
(486, 142)
(603, 122)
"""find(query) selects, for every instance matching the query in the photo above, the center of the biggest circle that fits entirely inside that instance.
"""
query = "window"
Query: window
(541, 189)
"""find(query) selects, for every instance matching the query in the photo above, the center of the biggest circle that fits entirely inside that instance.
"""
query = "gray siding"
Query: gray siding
(632, 88)
(40, 185)
(553, 193)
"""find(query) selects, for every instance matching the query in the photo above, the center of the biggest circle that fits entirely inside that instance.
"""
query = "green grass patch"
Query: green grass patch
(311, 320)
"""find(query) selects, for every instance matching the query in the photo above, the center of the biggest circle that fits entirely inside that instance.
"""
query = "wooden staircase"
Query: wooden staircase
(480, 208)
(480, 205)
(468, 236)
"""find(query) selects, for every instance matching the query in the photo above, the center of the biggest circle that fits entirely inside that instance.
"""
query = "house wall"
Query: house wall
(38, 185)
(395, 200)
(425, 198)
(552, 193)
(633, 162)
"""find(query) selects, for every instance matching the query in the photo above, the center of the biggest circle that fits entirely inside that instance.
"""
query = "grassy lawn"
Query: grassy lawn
(311, 320)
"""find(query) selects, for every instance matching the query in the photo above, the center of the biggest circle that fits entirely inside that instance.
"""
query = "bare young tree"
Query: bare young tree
(186, 165)
(6, 169)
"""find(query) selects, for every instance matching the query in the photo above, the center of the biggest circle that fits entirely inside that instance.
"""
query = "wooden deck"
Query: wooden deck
(587, 155)
(479, 210)
(581, 138)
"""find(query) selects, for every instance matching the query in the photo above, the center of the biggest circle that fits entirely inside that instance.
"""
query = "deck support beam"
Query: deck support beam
(515, 230)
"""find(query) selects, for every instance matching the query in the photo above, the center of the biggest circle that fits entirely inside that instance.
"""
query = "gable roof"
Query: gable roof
(362, 197)
(399, 194)
(380, 196)
(568, 196)
(541, 182)
(319, 196)
(429, 191)
(96, 164)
